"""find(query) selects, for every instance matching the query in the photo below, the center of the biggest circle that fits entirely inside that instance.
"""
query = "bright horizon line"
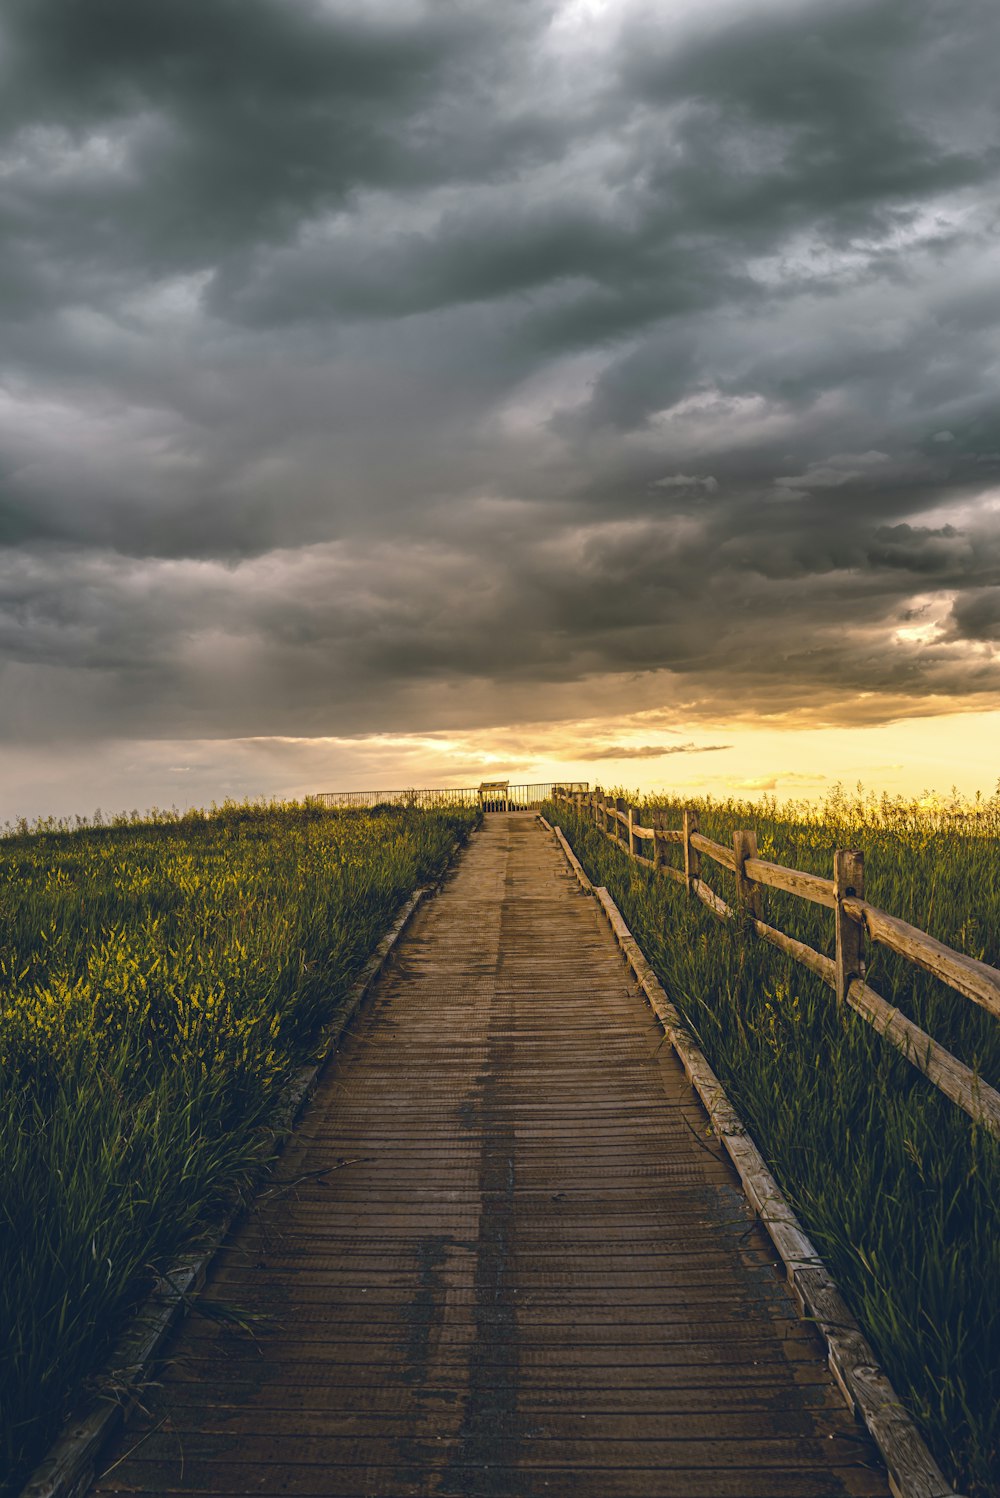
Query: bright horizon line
(932, 758)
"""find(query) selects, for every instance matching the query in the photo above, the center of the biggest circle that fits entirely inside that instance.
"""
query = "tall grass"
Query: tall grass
(159, 982)
(900, 1192)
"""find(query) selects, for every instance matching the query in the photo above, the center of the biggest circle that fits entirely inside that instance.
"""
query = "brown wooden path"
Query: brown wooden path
(533, 1276)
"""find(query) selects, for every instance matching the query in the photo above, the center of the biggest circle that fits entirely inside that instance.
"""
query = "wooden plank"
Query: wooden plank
(472, 1479)
(792, 881)
(708, 897)
(713, 850)
(951, 1076)
(570, 1449)
(913, 1472)
(823, 967)
(70, 1464)
(583, 878)
(561, 1423)
(976, 980)
(532, 1236)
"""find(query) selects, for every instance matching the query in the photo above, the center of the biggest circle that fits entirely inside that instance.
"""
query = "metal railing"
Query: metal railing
(497, 798)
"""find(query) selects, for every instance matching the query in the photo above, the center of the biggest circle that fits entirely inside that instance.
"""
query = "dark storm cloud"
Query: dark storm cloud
(361, 367)
(976, 615)
(222, 123)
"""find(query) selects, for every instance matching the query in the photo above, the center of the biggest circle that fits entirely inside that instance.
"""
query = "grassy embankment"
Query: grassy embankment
(159, 982)
(898, 1189)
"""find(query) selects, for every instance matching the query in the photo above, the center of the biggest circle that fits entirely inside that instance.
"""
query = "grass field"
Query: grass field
(898, 1189)
(158, 984)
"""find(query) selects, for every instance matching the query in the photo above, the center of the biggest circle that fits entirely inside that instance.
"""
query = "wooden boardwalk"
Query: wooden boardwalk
(500, 1256)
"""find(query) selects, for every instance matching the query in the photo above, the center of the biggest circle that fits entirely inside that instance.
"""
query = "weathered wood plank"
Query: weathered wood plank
(951, 1076)
(792, 881)
(823, 967)
(715, 903)
(69, 1467)
(583, 879)
(530, 1227)
(913, 1472)
(976, 980)
(714, 850)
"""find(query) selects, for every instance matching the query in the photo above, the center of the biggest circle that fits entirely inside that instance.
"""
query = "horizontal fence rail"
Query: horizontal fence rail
(855, 922)
(497, 797)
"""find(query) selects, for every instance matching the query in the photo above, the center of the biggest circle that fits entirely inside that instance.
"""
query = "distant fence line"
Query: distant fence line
(495, 796)
(855, 921)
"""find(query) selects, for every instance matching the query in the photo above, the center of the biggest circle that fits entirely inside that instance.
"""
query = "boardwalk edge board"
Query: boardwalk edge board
(70, 1467)
(912, 1470)
(574, 862)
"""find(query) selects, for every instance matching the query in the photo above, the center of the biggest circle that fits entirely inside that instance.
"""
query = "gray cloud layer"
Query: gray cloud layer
(385, 367)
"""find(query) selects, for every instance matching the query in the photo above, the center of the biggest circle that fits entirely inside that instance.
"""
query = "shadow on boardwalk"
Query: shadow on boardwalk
(533, 1275)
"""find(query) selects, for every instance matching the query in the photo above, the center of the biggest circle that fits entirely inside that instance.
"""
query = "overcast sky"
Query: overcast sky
(393, 381)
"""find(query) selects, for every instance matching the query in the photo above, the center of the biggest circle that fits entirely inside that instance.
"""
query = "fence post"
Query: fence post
(692, 858)
(747, 891)
(619, 830)
(848, 882)
(631, 831)
(659, 846)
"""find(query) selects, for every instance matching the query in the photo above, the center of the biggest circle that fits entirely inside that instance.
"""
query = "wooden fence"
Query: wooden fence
(855, 921)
